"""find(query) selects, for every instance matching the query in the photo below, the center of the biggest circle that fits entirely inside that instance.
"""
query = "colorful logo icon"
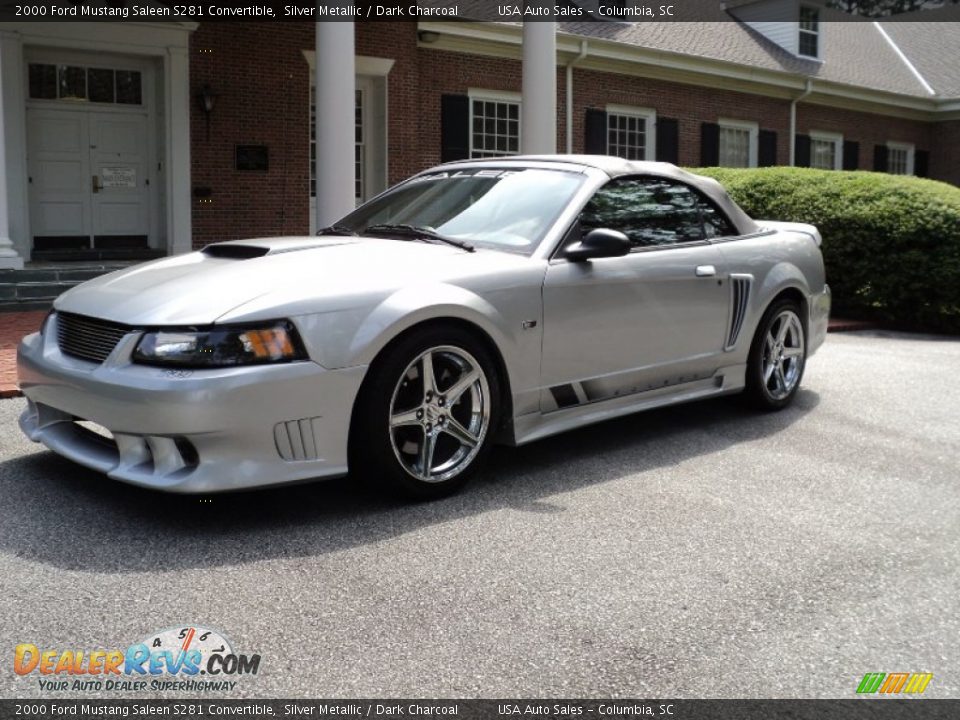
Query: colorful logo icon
(178, 652)
(894, 683)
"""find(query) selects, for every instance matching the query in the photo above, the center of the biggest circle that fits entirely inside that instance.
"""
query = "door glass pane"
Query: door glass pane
(128, 87)
(649, 211)
(73, 82)
(100, 85)
(43, 81)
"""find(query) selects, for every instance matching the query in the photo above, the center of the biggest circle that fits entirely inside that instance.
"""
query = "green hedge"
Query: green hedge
(891, 243)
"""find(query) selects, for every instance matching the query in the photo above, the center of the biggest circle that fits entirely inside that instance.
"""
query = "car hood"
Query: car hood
(328, 272)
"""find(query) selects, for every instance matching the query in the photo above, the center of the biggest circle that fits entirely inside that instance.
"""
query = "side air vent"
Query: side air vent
(739, 301)
(237, 252)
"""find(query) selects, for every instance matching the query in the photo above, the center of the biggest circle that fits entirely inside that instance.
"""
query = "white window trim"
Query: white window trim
(497, 96)
(910, 149)
(754, 130)
(836, 139)
(649, 115)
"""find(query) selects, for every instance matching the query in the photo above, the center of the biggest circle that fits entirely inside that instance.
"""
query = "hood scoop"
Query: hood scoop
(237, 252)
(248, 250)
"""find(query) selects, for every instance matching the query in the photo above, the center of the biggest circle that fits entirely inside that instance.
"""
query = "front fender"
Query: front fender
(354, 337)
(412, 306)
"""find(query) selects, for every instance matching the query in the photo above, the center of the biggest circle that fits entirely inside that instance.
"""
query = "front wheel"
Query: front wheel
(777, 357)
(425, 418)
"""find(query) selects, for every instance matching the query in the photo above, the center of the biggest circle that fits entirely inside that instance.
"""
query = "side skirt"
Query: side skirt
(535, 426)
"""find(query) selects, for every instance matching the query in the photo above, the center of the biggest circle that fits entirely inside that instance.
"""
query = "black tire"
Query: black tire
(776, 391)
(393, 457)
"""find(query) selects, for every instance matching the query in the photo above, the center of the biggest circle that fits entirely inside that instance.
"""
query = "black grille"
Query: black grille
(88, 338)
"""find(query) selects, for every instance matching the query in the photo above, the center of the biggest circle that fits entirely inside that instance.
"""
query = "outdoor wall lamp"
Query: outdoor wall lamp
(207, 99)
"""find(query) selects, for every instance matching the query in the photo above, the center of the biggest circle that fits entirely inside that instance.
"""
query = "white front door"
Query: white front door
(120, 201)
(58, 157)
(89, 184)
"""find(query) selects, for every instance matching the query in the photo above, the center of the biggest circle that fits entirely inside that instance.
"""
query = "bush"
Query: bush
(891, 244)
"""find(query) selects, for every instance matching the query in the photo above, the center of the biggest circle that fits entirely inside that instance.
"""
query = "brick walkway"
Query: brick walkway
(14, 325)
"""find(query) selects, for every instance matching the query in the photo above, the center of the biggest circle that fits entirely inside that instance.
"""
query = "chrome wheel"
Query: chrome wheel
(439, 414)
(783, 353)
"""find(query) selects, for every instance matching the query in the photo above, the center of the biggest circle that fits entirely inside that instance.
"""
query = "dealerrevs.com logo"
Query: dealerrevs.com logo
(191, 659)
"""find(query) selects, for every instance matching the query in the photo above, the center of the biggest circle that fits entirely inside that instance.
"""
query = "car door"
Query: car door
(653, 318)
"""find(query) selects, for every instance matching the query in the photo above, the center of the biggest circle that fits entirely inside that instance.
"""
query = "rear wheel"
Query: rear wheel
(424, 418)
(777, 357)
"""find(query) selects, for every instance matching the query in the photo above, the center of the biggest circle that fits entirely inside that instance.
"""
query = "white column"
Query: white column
(336, 85)
(9, 260)
(179, 202)
(538, 132)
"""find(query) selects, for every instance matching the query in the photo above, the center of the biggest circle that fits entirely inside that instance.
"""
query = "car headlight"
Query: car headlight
(221, 346)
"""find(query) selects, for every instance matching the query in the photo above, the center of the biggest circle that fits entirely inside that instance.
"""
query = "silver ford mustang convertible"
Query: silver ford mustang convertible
(500, 300)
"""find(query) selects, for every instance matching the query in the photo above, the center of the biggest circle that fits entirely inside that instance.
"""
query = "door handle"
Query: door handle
(706, 271)
(95, 182)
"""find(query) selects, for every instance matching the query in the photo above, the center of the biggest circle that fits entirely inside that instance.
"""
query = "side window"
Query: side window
(653, 211)
(715, 223)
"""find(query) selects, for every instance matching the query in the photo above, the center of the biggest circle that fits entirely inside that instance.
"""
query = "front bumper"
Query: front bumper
(190, 431)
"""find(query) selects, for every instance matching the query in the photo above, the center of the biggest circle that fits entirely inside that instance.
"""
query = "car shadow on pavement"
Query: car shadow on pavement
(57, 513)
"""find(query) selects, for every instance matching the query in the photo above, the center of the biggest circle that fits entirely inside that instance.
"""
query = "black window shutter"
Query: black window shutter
(851, 155)
(766, 148)
(595, 140)
(668, 140)
(454, 127)
(709, 145)
(921, 162)
(801, 151)
(880, 158)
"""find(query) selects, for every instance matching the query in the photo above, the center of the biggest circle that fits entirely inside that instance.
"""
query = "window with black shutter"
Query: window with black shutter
(668, 140)
(766, 148)
(851, 155)
(801, 151)
(595, 136)
(454, 127)
(709, 145)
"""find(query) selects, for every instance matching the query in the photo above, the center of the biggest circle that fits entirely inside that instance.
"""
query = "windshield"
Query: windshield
(498, 208)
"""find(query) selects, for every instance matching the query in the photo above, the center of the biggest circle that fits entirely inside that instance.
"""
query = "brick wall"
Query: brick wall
(262, 81)
(865, 129)
(688, 104)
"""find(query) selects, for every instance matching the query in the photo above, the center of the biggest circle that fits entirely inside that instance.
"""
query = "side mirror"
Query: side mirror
(599, 243)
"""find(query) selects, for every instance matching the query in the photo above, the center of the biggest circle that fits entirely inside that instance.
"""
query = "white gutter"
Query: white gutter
(905, 59)
(793, 120)
(574, 61)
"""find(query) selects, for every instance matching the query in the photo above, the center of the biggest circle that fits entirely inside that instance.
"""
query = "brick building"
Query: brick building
(132, 139)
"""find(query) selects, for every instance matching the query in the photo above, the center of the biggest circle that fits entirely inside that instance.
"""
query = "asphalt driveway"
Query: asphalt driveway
(699, 551)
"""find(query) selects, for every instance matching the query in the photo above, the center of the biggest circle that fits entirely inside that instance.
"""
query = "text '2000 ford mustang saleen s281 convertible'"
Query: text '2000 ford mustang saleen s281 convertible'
(499, 300)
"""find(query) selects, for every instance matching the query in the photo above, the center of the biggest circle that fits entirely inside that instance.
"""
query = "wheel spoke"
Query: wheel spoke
(426, 374)
(784, 328)
(781, 380)
(408, 417)
(768, 372)
(792, 352)
(426, 454)
(461, 386)
(459, 433)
